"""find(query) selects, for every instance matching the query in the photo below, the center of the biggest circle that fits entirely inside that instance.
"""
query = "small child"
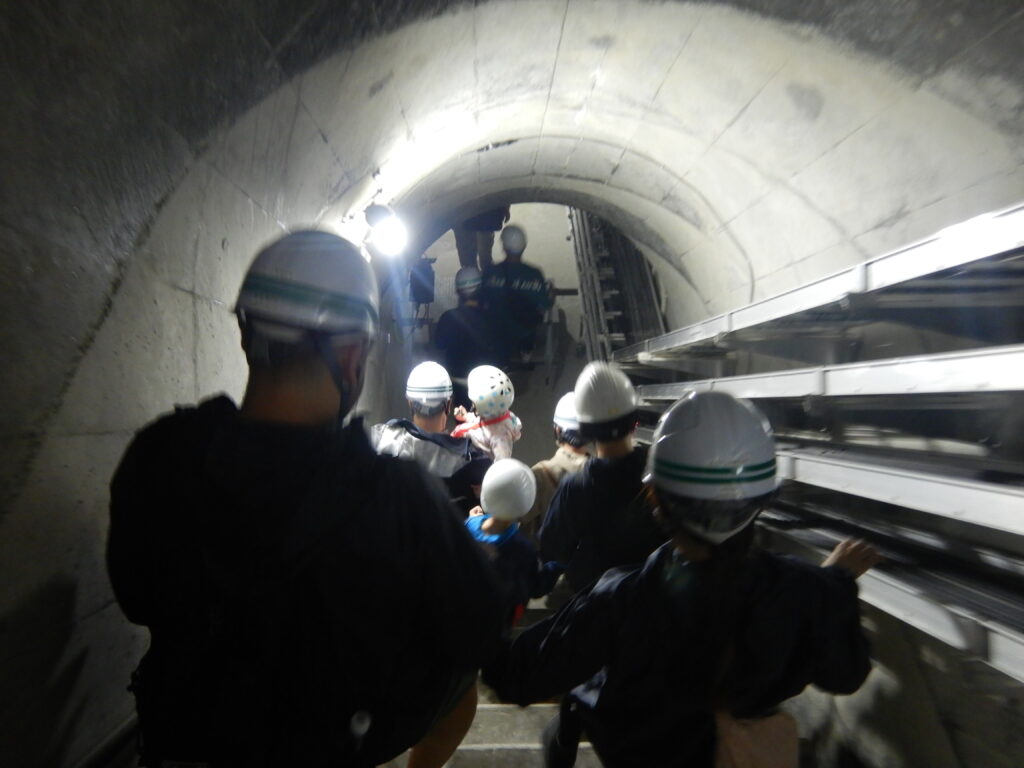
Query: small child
(507, 494)
(493, 428)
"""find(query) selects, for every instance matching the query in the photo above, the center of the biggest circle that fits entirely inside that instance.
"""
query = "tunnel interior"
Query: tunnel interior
(745, 148)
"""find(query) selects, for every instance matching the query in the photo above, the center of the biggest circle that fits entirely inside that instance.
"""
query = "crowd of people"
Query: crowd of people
(320, 593)
(500, 309)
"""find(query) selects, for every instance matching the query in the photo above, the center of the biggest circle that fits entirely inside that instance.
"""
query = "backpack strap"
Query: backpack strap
(465, 429)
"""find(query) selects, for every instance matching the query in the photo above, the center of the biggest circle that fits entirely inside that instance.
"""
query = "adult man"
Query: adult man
(569, 457)
(596, 519)
(515, 293)
(466, 335)
(425, 439)
(474, 237)
(661, 658)
(309, 603)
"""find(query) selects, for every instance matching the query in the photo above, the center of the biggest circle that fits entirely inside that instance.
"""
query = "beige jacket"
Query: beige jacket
(549, 474)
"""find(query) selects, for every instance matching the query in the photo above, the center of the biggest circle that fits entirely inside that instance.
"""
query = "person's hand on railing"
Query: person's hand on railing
(854, 555)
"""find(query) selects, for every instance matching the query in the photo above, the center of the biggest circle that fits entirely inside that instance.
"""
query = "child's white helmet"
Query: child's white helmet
(565, 412)
(491, 391)
(508, 490)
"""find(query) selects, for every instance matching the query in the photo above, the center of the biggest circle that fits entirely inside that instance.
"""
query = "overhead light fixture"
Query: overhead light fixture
(388, 235)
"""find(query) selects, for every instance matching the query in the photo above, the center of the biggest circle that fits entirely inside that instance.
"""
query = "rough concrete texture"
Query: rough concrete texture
(747, 145)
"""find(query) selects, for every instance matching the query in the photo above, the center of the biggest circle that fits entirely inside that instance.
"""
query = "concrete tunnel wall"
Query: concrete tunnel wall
(747, 146)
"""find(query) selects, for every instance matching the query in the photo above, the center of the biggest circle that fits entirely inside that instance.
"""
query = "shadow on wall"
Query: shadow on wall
(38, 704)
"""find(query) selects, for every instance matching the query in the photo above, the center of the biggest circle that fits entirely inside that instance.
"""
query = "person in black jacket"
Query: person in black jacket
(309, 602)
(597, 519)
(707, 625)
(516, 294)
(466, 335)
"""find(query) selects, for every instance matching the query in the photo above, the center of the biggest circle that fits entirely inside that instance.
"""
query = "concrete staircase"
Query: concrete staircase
(507, 736)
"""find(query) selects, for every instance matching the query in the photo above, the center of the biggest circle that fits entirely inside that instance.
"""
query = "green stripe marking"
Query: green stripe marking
(689, 473)
(275, 288)
(672, 466)
(714, 480)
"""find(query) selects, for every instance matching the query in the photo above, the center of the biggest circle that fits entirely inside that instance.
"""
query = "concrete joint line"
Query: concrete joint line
(551, 81)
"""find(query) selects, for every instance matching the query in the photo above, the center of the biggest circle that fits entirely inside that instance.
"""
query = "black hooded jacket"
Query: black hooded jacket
(636, 653)
(598, 520)
(289, 575)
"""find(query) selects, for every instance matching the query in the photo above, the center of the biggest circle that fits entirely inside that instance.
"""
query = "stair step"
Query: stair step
(503, 756)
(509, 724)
(513, 756)
(507, 736)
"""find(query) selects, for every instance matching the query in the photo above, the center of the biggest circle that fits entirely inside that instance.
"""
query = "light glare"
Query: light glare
(389, 236)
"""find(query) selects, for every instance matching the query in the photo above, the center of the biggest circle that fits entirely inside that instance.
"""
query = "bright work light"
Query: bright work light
(388, 235)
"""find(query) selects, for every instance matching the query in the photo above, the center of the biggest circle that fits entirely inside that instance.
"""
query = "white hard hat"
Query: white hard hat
(468, 281)
(605, 401)
(428, 388)
(711, 447)
(491, 391)
(508, 490)
(309, 281)
(565, 412)
(513, 239)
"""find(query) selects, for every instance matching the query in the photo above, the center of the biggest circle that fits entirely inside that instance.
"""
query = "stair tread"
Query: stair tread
(515, 746)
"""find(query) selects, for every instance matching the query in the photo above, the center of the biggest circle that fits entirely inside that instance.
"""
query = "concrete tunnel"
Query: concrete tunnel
(746, 148)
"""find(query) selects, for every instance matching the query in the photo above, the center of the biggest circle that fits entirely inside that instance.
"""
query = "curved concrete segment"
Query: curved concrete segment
(747, 146)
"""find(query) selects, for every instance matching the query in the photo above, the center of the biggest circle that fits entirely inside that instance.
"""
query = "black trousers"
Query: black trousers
(561, 737)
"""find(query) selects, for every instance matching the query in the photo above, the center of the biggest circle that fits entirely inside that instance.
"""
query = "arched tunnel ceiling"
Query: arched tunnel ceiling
(773, 138)
(742, 150)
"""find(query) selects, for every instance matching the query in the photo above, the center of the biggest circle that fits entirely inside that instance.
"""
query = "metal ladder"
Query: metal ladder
(620, 299)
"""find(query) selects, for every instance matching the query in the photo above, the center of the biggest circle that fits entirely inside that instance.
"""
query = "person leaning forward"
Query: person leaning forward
(681, 662)
(308, 602)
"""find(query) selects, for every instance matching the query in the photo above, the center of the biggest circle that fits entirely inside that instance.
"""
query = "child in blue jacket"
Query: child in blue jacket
(508, 492)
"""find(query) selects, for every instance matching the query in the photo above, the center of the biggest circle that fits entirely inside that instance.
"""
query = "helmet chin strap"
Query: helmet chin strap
(323, 345)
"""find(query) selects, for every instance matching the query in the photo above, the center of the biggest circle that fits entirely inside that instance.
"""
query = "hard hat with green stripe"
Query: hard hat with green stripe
(429, 388)
(309, 290)
(468, 281)
(309, 281)
(711, 447)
